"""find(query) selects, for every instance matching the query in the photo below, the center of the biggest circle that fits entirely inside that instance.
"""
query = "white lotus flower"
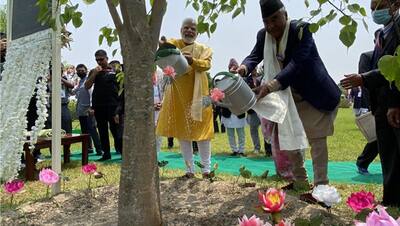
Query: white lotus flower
(326, 194)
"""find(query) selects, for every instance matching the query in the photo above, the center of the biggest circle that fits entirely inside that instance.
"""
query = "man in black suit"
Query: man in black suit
(385, 98)
(371, 149)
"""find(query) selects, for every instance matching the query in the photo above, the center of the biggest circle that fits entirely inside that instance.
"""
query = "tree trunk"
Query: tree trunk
(139, 200)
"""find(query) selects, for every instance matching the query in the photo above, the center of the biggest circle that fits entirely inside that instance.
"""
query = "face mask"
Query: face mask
(81, 75)
(381, 16)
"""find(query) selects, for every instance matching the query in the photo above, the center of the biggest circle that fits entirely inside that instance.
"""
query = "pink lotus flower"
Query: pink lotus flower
(90, 168)
(379, 218)
(169, 71)
(48, 177)
(252, 221)
(13, 187)
(273, 200)
(361, 200)
(217, 95)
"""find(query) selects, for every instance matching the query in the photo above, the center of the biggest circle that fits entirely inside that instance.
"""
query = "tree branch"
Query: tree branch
(337, 8)
(157, 14)
(114, 15)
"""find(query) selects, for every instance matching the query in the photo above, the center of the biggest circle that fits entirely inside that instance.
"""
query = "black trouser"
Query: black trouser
(88, 126)
(66, 119)
(368, 155)
(104, 117)
(389, 152)
(170, 142)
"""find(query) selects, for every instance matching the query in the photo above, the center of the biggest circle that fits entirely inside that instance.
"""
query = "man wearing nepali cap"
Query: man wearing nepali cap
(293, 66)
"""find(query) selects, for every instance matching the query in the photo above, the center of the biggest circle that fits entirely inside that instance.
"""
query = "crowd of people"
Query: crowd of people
(297, 100)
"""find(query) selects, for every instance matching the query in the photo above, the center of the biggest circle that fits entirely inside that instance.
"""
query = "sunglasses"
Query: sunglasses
(99, 59)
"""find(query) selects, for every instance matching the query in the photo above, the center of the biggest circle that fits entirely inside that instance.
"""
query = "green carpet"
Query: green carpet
(340, 172)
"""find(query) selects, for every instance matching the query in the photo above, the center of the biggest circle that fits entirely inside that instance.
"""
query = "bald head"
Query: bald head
(189, 30)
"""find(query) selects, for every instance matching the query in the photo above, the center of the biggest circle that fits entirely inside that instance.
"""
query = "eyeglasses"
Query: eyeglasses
(99, 59)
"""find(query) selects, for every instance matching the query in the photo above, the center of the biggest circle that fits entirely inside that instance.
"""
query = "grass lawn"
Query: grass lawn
(346, 144)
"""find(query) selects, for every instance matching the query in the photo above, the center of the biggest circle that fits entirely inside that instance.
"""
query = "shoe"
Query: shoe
(235, 153)
(104, 158)
(90, 151)
(242, 154)
(362, 171)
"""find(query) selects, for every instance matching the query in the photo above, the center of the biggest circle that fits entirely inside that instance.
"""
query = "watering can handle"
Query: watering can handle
(225, 73)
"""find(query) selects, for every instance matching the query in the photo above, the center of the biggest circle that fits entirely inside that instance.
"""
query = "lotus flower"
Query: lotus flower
(48, 177)
(326, 194)
(90, 168)
(379, 218)
(361, 200)
(169, 71)
(217, 95)
(273, 200)
(252, 221)
(13, 186)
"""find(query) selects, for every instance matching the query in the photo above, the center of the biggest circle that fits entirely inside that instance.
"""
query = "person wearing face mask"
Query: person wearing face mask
(183, 115)
(85, 111)
(384, 97)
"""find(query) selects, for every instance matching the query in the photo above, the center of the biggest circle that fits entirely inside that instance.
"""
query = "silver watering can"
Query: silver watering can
(169, 55)
(239, 98)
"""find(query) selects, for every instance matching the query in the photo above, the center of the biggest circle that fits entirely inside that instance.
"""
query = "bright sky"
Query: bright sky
(232, 39)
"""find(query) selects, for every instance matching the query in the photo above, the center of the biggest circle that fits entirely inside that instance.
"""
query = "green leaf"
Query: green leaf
(307, 3)
(365, 24)
(315, 12)
(362, 11)
(196, 6)
(347, 35)
(389, 67)
(114, 52)
(202, 27)
(63, 2)
(321, 22)
(233, 3)
(200, 18)
(345, 20)
(214, 17)
(331, 16)
(313, 27)
(101, 38)
(322, 1)
(361, 216)
(354, 8)
(88, 2)
(226, 8)
(77, 19)
(213, 27)
(236, 13)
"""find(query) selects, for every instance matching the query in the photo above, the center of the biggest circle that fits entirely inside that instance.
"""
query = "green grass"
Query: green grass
(345, 145)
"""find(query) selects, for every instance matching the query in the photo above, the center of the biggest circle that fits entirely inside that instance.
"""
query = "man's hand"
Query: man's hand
(162, 40)
(261, 91)
(91, 112)
(116, 119)
(188, 57)
(241, 70)
(393, 116)
(351, 81)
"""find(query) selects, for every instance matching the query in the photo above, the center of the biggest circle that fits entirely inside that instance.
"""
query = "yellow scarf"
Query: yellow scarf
(197, 99)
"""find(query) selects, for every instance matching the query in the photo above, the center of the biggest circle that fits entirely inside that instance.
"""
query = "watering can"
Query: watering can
(169, 55)
(239, 97)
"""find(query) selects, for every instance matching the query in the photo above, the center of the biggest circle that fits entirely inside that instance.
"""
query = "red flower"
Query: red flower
(361, 200)
(169, 71)
(13, 187)
(90, 168)
(272, 201)
(217, 95)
